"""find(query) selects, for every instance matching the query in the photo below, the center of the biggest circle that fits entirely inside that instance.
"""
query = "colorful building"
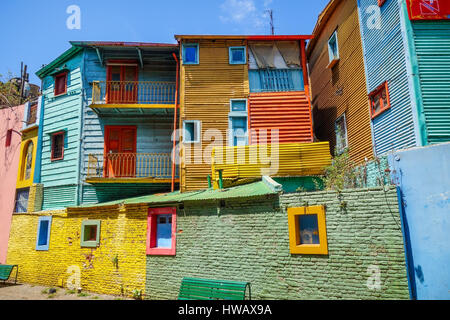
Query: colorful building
(107, 124)
(241, 91)
(338, 85)
(405, 45)
(10, 146)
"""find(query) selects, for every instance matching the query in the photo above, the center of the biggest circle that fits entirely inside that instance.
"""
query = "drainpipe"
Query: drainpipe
(175, 123)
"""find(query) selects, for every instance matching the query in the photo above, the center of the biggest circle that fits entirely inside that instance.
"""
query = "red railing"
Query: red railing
(130, 165)
(133, 92)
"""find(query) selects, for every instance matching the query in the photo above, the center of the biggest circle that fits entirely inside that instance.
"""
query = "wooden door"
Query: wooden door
(122, 84)
(120, 152)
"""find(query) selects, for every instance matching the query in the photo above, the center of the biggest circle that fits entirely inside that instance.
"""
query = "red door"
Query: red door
(122, 84)
(120, 152)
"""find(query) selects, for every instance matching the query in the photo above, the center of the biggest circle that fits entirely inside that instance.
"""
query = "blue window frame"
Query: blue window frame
(237, 124)
(190, 53)
(238, 55)
(43, 233)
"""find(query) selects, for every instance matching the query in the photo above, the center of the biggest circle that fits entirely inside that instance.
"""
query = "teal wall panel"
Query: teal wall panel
(432, 44)
(59, 197)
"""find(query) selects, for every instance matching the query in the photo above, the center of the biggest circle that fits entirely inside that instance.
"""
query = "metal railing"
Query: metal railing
(133, 92)
(130, 165)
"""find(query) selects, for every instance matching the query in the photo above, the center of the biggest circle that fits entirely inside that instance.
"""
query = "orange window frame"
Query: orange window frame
(58, 78)
(383, 107)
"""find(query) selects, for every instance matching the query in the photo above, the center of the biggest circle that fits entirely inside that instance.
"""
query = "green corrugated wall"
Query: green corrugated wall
(432, 42)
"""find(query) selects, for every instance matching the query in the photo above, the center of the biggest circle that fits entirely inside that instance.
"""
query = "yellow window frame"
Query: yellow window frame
(294, 230)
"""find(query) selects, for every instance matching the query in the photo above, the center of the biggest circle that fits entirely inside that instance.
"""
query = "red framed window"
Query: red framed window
(161, 231)
(381, 2)
(379, 100)
(8, 138)
(57, 145)
(61, 83)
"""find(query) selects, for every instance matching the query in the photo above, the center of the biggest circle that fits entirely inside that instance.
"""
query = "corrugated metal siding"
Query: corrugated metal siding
(432, 42)
(343, 88)
(206, 90)
(289, 112)
(385, 61)
(294, 159)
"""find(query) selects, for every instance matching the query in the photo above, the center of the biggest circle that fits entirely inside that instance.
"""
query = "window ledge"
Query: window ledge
(332, 63)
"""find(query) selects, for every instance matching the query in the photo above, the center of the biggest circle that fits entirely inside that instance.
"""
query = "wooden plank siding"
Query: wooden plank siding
(205, 92)
(341, 89)
(62, 113)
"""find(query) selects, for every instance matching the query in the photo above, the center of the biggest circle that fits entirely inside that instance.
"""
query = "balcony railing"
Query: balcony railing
(133, 92)
(276, 80)
(130, 165)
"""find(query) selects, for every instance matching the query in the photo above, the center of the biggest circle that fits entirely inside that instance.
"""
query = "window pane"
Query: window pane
(309, 229)
(28, 161)
(43, 233)
(164, 232)
(21, 201)
(32, 113)
(190, 54)
(90, 233)
(57, 146)
(341, 134)
(239, 105)
(239, 131)
(190, 132)
(60, 84)
(237, 55)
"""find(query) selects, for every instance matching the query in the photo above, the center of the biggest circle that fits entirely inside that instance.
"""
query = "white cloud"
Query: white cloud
(237, 10)
(245, 13)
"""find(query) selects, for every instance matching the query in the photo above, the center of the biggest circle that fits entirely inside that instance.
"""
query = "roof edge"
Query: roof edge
(44, 71)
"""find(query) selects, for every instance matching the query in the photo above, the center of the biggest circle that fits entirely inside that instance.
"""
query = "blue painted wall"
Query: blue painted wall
(423, 175)
(385, 60)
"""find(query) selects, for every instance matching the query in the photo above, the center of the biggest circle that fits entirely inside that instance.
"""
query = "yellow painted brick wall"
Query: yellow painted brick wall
(122, 234)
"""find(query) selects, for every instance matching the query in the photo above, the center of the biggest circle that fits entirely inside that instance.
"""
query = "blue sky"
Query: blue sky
(35, 32)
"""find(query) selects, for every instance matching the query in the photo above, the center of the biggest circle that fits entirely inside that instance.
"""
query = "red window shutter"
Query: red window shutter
(60, 83)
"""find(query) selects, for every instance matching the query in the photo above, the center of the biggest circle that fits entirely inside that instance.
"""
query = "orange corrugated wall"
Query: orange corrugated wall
(289, 112)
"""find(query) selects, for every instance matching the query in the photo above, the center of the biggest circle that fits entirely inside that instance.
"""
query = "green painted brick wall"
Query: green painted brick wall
(249, 241)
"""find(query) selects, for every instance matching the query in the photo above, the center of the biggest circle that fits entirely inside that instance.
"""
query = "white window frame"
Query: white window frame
(340, 151)
(236, 114)
(332, 58)
(197, 128)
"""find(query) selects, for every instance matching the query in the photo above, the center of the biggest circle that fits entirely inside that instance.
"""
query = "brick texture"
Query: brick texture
(123, 234)
(249, 241)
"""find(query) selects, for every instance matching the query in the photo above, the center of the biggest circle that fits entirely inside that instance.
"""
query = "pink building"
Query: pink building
(10, 139)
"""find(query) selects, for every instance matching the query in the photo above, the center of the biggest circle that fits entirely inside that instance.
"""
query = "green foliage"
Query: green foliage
(137, 294)
(9, 92)
(83, 294)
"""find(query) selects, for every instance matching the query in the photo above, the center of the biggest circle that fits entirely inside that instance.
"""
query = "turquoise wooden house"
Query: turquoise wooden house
(108, 114)
(406, 46)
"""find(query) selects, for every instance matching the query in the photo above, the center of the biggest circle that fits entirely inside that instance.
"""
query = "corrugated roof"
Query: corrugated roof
(256, 189)
(245, 37)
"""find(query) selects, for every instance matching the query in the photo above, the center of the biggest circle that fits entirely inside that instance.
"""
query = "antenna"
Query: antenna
(272, 27)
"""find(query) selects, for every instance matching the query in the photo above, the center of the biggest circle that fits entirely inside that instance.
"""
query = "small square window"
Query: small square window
(379, 100)
(43, 233)
(60, 83)
(21, 205)
(8, 138)
(90, 233)
(239, 105)
(341, 134)
(190, 53)
(238, 55)
(333, 50)
(57, 146)
(191, 131)
(307, 230)
(161, 229)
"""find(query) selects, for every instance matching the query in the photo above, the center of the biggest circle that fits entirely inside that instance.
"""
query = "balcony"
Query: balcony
(276, 80)
(136, 97)
(130, 168)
